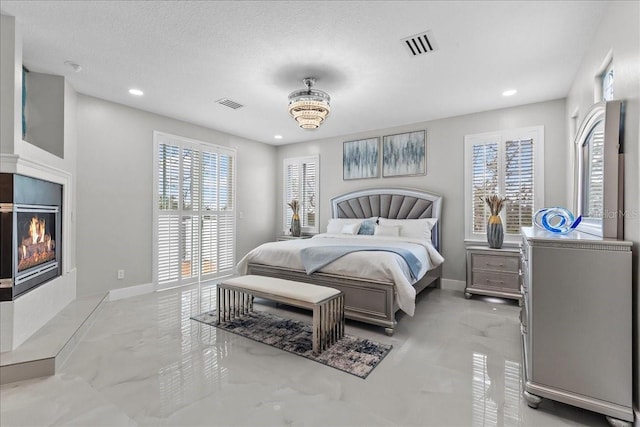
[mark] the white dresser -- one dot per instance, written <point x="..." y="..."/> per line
<point x="576" y="322"/>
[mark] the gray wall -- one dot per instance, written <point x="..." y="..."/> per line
<point x="11" y="99"/>
<point x="445" y="161"/>
<point x="115" y="176"/>
<point x="45" y="112"/>
<point x="619" y="33"/>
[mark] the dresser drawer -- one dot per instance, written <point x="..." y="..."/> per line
<point x="507" y="264"/>
<point x="498" y="281"/>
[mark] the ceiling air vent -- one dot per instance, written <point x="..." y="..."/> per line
<point x="229" y="103"/>
<point x="420" y="43"/>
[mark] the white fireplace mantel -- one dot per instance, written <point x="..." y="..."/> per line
<point x="20" y="318"/>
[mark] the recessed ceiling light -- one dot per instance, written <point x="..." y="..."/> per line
<point x="277" y="136"/>
<point x="136" y="92"/>
<point x="509" y="92"/>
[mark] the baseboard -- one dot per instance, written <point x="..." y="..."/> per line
<point x="453" y="285"/>
<point x="131" y="291"/>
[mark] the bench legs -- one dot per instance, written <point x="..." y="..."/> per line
<point x="231" y="303"/>
<point x="328" y="323"/>
<point x="328" y="315"/>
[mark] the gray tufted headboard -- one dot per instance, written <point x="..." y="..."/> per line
<point x="392" y="203"/>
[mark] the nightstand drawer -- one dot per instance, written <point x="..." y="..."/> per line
<point x="290" y="237"/>
<point x="500" y="281"/>
<point x="507" y="264"/>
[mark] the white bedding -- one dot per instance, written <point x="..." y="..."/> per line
<point x="367" y="265"/>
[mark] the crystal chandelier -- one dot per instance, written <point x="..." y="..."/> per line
<point x="309" y="106"/>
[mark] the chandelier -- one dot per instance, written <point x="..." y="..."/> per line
<point x="309" y="106"/>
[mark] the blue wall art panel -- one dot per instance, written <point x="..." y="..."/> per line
<point x="404" y="154"/>
<point x="360" y="159"/>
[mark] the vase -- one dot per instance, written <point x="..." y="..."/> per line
<point x="495" y="233"/>
<point x="295" y="225"/>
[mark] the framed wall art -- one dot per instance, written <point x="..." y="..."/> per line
<point x="360" y="159"/>
<point x="404" y="154"/>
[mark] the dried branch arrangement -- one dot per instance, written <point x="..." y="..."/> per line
<point x="295" y="206"/>
<point x="494" y="202"/>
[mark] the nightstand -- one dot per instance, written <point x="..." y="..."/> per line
<point x="290" y="237"/>
<point x="493" y="272"/>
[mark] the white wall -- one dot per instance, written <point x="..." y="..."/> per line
<point x="445" y="161"/>
<point x="619" y="34"/>
<point x="115" y="176"/>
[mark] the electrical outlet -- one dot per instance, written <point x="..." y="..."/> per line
<point x="120" y="274"/>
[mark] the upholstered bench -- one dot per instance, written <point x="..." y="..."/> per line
<point x="235" y="298"/>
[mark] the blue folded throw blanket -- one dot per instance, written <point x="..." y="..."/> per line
<point x="315" y="258"/>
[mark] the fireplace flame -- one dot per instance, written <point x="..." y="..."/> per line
<point x="37" y="230"/>
<point x="37" y="246"/>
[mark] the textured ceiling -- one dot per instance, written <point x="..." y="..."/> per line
<point x="186" y="55"/>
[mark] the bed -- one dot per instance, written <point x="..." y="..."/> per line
<point x="369" y="297"/>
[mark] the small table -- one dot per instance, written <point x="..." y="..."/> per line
<point x="493" y="272"/>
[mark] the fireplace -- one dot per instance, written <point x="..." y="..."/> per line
<point x="30" y="221"/>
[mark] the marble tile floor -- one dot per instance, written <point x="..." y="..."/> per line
<point x="144" y="362"/>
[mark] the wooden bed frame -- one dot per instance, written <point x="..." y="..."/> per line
<point x="370" y="301"/>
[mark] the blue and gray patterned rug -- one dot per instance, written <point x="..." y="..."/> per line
<point x="357" y="356"/>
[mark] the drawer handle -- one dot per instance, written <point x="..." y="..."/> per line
<point x="493" y="265"/>
<point x="501" y="282"/>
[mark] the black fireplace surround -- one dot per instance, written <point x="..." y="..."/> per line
<point x="30" y="234"/>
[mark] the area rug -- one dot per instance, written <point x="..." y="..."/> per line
<point x="354" y="355"/>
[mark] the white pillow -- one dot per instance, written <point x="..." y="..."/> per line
<point x="350" y="228"/>
<point x="413" y="228"/>
<point x="335" y="224"/>
<point x="387" y="230"/>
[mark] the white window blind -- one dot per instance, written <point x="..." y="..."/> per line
<point x="484" y="181"/>
<point x="509" y="164"/>
<point x="518" y="184"/>
<point x="194" y="215"/>
<point x="594" y="186"/>
<point x="301" y="183"/>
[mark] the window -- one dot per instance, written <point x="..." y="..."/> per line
<point x="593" y="170"/>
<point x="507" y="163"/>
<point x="194" y="212"/>
<point x="606" y="80"/>
<point x="301" y="183"/>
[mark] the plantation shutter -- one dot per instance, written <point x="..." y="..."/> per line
<point x="301" y="184"/>
<point x="218" y="216"/>
<point x="195" y="212"/>
<point x="292" y="186"/>
<point x="507" y="163"/>
<point x="168" y="219"/>
<point x="518" y="184"/>
<point x="308" y="195"/>
<point x="226" y="214"/>
<point x="595" y="163"/>
<point x="484" y="182"/>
